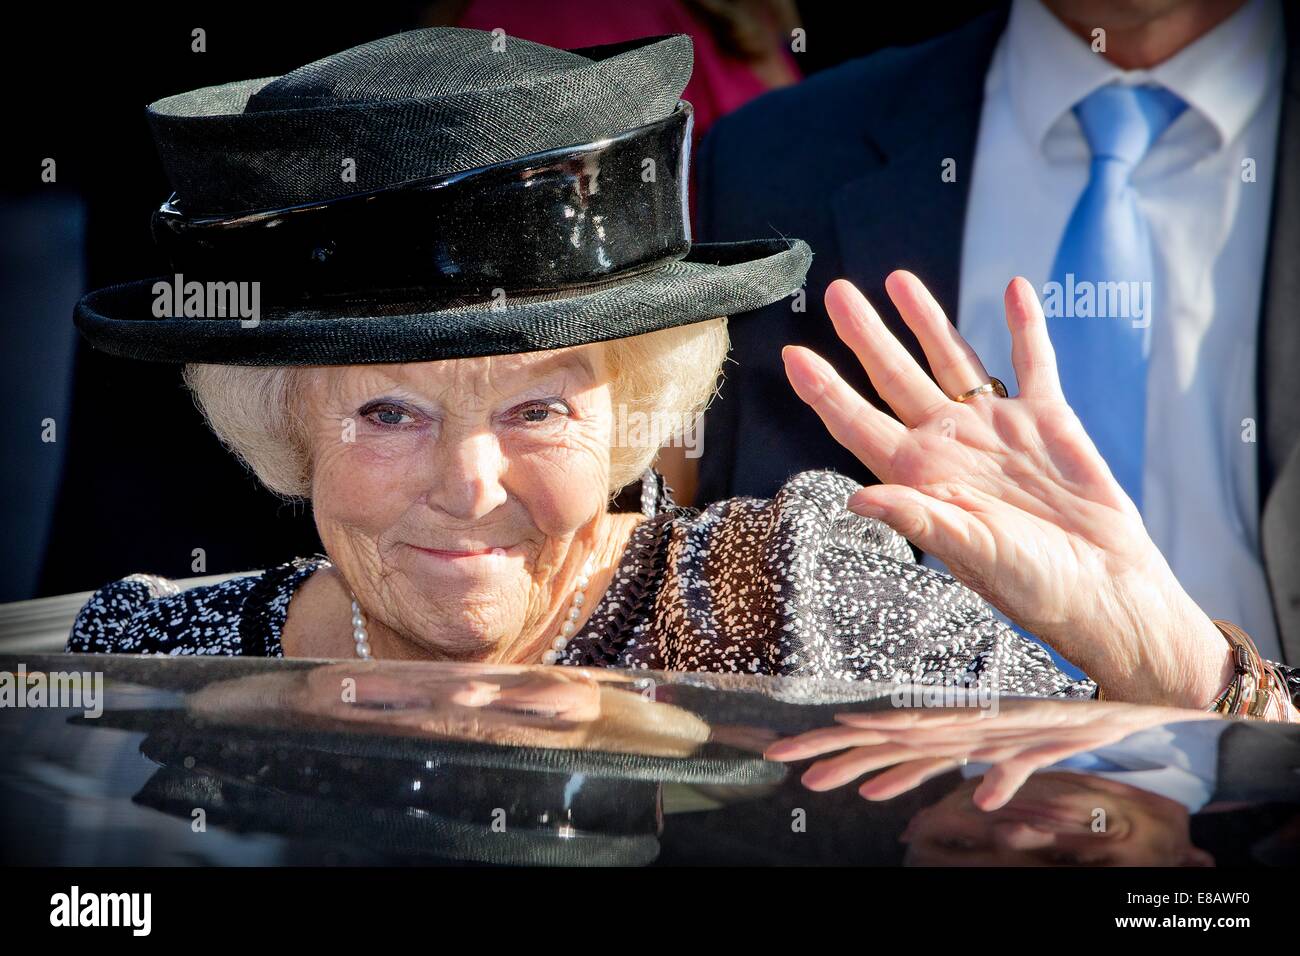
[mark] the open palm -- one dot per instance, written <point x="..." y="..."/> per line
<point x="1010" y="493"/>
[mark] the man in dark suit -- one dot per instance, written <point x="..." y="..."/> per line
<point x="989" y="152"/>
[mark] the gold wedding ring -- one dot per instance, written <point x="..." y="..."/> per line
<point x="993" y="385"/>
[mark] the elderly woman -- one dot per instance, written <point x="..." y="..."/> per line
<point x="457" y="336"/>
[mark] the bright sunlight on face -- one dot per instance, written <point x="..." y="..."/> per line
<point x="448" y="493"/>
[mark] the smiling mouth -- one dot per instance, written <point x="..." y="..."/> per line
<point x="453" y="554"/>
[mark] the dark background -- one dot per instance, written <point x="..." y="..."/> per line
<point x="134" y="480"/>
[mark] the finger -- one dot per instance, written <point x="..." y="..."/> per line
<point x="896" y="376"/>
<point x="814" y="743"/>
<point x="953" y="362"/>
<point x="837" y="771"/>
<point x="1002" y="782"/>
<point x="959" y="739"/>
<point x="871" y="435"/>
<point x="904" y="718"/>
<point x="906" y="776"/>
<point x="934" y="526"/>
<point x="942" y="741"/>
<point x="1032" y="354"/>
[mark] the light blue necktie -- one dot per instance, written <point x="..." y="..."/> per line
<point x="1103" y="357"/>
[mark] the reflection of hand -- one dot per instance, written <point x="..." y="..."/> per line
<point x="1022" y="737"/>
<point x="1011" y="494"/>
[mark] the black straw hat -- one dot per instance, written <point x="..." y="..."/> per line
<point x="442" y="193"/>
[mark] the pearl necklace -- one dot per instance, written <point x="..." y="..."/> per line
<point x="558" y="643"/>
<point x="359" y="630"/>
<point x="570" y="623"/>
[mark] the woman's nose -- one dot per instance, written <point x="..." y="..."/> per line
<point x="468" y="477"/>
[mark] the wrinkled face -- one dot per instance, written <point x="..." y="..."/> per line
<point x="448" y="494"/>
<point x="1055" y="819"/>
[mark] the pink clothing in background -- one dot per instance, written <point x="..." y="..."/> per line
<point x="720" y="83"/>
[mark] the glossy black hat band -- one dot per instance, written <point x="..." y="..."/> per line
<point x="548" y="221"/>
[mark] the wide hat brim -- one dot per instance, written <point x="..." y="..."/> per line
<point x="714" y="279"/>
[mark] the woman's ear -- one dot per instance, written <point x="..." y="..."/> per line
<point x="680" y="471"/>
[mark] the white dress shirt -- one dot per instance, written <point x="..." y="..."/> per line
<point x="1210" y="233"/>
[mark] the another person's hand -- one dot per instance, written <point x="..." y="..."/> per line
<point x="1011" y="494"/>
<point x="1023" y="737"/>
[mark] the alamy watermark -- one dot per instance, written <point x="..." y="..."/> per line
<point x="74" y="908"/>
<point x="1084" y="299"/>
<point x="178" y="299"/>
<point x="640" y="429"/>
<point x="78" y="690"/>
<point x="964" y="690"/>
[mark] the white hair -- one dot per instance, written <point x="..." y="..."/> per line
<point x="666" y="378"/>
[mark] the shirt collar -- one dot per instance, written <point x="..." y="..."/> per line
<point x="1224" y="76"/>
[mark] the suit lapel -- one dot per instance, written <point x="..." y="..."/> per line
<point x="1279" y="332"/>
<point x="1279" y="357"/>
<point x="928" y="117"/>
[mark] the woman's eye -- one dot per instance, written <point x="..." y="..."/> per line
<point x="538" y="412"/>
<point x="388" y="415"/>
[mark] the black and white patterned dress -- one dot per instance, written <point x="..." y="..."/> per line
<point x="795" y="586"/>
